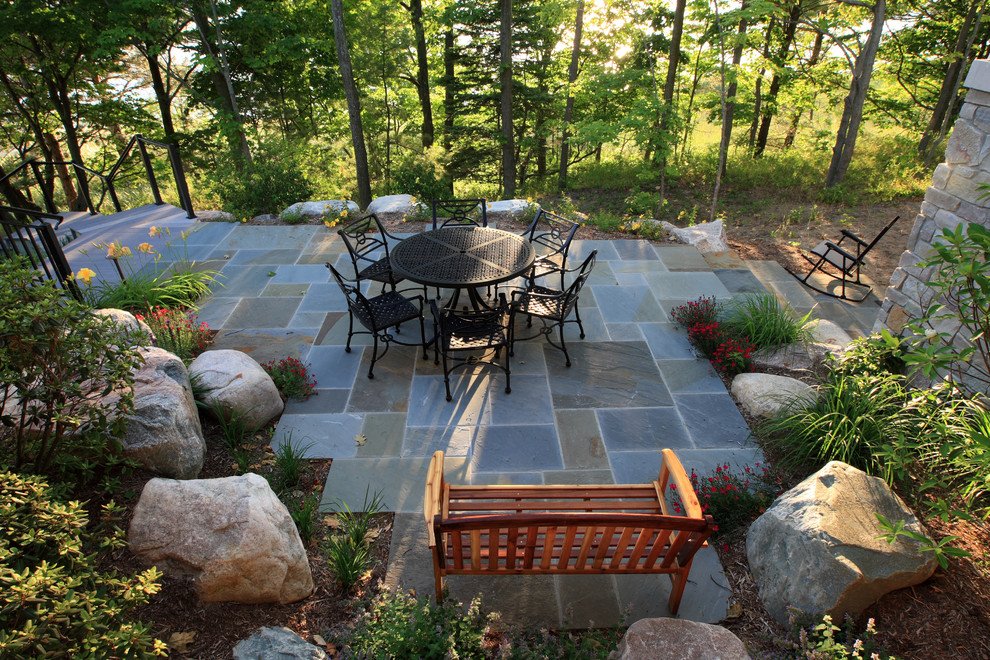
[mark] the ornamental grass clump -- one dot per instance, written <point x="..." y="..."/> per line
<point x="765" y="321"/>
<point x="292" y="378"/>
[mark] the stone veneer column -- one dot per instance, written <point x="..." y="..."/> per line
<point x="953" y="198"/>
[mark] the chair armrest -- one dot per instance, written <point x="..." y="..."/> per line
<point x="672" y="469"/>
<point x="849" y="234"/>
<point x="434" y="490"/>
<point x="851" y="257"/>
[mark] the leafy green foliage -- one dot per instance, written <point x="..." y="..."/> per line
<point x="349" y="548"/>
<point x="53" y="601"/>
<point x="236" y="428"/>
<point x="288" y="464"/>
<point x="733" y="500"/>
<point x="303" y="514"/>
<point x="59" y="365"/>
<point x="179" y="286"/>
<point x="422" y="177"/>
<point x="765" y="321"/>
<point x="816" y="637"/>
<point x="940" y="550"/>
<point x="878" y="353"/>
<point x="270" y="182"/>
<point x="399" y="625"/>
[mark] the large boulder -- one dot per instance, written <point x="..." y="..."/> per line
<point x="231" y="536"/>
<point x="232" y="382"/>
<point x="824" y="331"/>
<point x="708" y="237"/>
<point x="163" y="433"/>
<point x="817" y="547"/>
<point x="515" y="208"/>
<point x="127" y="322"/>
<point x="280" y="643"/>
<point x="762" y="395"/>
<point x="324" y="210"/>
<point x="676" y="639"/>
<point x="792" y="357"/>
<point x="404" y="204"/>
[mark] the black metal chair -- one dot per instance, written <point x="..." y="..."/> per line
<point x="364" y="239"/>
<point x="551" y="306"/>
<point x="551" y="235"/>
<point x="470" y="330"/>
<point x="377" y="315"/>
<point x="841" y="263"/>
<point x="466" y="212"/>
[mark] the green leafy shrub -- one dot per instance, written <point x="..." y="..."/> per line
<point x="399" y="625"/>
<point x="733" y="356"/>
<point x="349" y="548"/>
<point x="58" y="363"/>
<point x="292" y="378"/>
<point x="53" y="601"/>
<point x="703" y="310"/>
<point x="875" y="354"/>
<point x="272" y="181"/>
<point x="422" y="177"/>
<point x="177" y="332"/>
<point x="817" y="638"/>
<point x="763" y="320"/>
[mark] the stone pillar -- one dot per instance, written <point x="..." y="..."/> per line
<point x="953" y="198"/>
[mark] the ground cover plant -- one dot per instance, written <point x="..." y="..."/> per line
<point x="292" y="378"/>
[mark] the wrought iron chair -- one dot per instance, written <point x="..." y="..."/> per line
<point x="470" y="330"/>
<point x="841" y="262"/>
<point x="377" y="315"/>
<point x="365" y="238"/>
<point x="551" y="306"/>
<point x="551" y="234"/>
<point x="467" y="212"/>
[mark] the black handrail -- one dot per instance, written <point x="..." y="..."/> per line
<point x="36" y="240"/>
<point x="107" y="180"/>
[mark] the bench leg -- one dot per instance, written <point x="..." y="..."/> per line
<point x="678" y="581"/>
<point x="437" y="578"/>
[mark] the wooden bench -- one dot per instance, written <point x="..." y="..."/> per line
<point x="565" y="530"/>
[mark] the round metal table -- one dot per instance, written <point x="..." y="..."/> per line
<point x="462" y="258"/>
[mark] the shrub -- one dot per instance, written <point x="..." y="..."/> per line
<point x="732" y="500"/>
<point x="291" y="377"/>
<point x="398" y="625"/>
<point x="765" y="321"/>
<point x="703" y="310"/>
<point x="706" y="338"/>
<point x="58" y="363"/>
<point x="875" y="354"/>
<point x="272" y="181"/>
<point x="816" y="637"/>
<point x="176" y="331"/>
<point x="421" y="176"/>
<point x="349" y="549"/>
<point x="53" y="601"/>
<point x="732" y="356"/>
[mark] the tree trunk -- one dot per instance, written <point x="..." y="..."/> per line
<point x="224" y="88"/>
<point x="673" y="57"/>
<point x="505" y="77"/>
<point x="14" y="196"/>
<point x="770" y="102"/>
<point x="353" y="104"/>
<point x="758" y="92"/>
<point x="448" y="97"/>
<point x="816" y="51"/>
<point x="64" y="177"/>
<point x="422" y="72"/>
<point x="730" y="93"/>
<point x="953" y="74"/>
<point x="852" y="109"/>
<point x="58" y="94"/>
<point x="161" y="93"/>
<point x="572" y="71"/>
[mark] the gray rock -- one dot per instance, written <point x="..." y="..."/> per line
<point x="163" y="433"/>
<point x="231" y="536"/>
<point x="510" y="207"/>
<point x="708" y="237"/>
<point x="763" y="395"/>
<point x="816" y="548"/>
<point x="126" y="322"/>
<point x="676" y="639"/>
<point x="394" y="204"/>
<point x="794" y="357"/>
<point x="215" y="216"/>
<point x="322" y="210"/>
<point x="824" y="331"/>
<point x="233" y="381"/>
<point x="277" y="644"/>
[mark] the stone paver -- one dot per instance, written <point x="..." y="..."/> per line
<point x="634" y="387"/>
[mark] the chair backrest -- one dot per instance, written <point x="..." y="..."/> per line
<point x="470" y="322"/>
<point x="572" y="291"/>
<point x="363" y="238"/>
<point x="553" y="231"/>
<point x="357" y="302"/>
<point x="880" y="235"/>
<point x="459" y="212"/>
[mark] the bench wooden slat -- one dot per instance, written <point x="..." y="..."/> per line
<point x="572" y="530"/>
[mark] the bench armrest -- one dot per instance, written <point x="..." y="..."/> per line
<point x="672" y="469"/>
<point x="434" y="490"/>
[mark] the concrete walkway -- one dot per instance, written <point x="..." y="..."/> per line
<point x="634" y="387"/>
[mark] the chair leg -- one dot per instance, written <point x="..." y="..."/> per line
<point x="350" y="331"/>
<point x="446" y="377"/>
<point x="422" y="336"/>
<point x="563" y="345"/>
<point x="512" y="334"/>
<point x="508" y="372"/>
<point x="678" y="581"/>
<point x="577" y="316"/>
<point x="374" y="357"/>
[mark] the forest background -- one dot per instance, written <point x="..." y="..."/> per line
<point x="681" y="109"/>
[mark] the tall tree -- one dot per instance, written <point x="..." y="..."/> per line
<point x="852" y="108"/>
<point x="422" y="80"/>
<point x="572" y="72"/>
<point x="779" y="65"/>
<point x="505" y="78"/>
<point x="353" y="104"/>
<point x="673" y="58"/>
<point x="730" y="93"/>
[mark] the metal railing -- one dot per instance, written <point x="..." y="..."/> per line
<point x="84" y="175"/>
<point x="34" y="238"/>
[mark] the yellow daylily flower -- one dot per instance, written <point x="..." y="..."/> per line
<point x="155" y="231"/>
<point x="146" y="248"/>
<point x="85" y="274"/>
